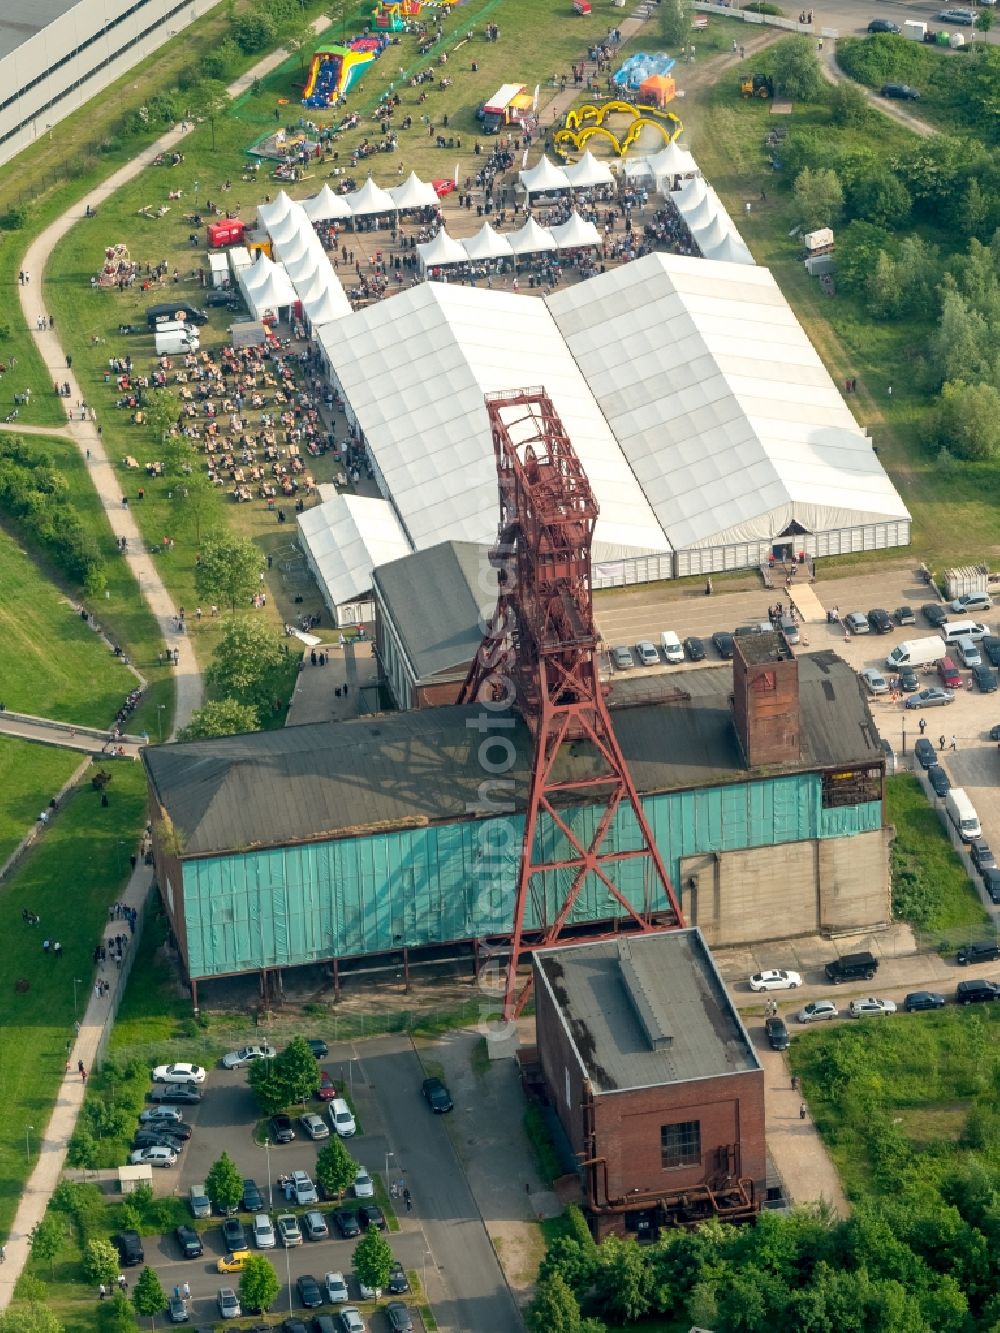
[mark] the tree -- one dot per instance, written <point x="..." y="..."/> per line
<point x="877" y="196"/>
<point x="250" y="664"/>
<point x="335" y="1167"/>
<point x="221" y="717"/>
<point x="101" y="1262"/>
<point x="47" y="1237"/>
<point x="29" y="1317"/>
<point x="819" y="197"/>
<point x="268" y="1085"/>
<point x="958" y="349"/>
<point x="254" y="31"/>
<point x="148" y="1297"/>
<point x="967" y="420"/>
<point x="212" y="102"/>
<point x="675" y="21"/>
<point x="882" y="287"/>
<point x="373" y="1259"/>
<point x="985" y="20"/>
<point x="796" y="68"/>
<point x="554" y="1308"/>
<point x="259" y="1285"/>
<point x="848" y="105"/>
<point x="298" y="1068"/>
<point x="573" y="1261"/>
<point x="224" y="1184"/>
<point x="624" y="1281"/>
<point x="162" y="410"/>
<point x="198" y="500"/>
<point x="229" y="569"/>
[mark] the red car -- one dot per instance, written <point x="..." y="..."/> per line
<point x="326" y="1091"/>
<point x="443" y="187"/>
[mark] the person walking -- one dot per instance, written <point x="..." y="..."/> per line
<point x="954" y="743"/>
<point x="802" y="1110"/>
<point x="922" y="725"/>
<point x="940" y="742"/>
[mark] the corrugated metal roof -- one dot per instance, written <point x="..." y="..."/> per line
<point x="436" y="600"/>
<point x="336" y="779"/>
<point x="609" y="993"/>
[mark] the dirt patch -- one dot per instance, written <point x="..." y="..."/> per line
<point x="519" y="1246"/>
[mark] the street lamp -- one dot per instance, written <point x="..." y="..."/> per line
<point x="76" y="1012"/>
<point x="27" y="1142"/>
<point x="270" y="1192"/>
<point x="389" y="1154"/>
<point x="159" y="722"/>
<point x="288" y="1272"/>
<point x="426" y="1253"/>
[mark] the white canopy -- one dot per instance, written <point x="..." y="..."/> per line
<point x="326" y="206"/>
<point x="275" y="293"/>
<point x="302" y="268"/>
<point x="441" y="251"/>
<point x="575" y="232"/>
<point x="371" y="198"/>
<point x="300" y="243"/>
<point x="701" y="214"/>
<point x="414" y="193"/>
<point x="710" y="237"/>
<point x="544" y="177"/>
<point x="732" y="250"/>
<point x="487" y="244"/>
<point x="331" y="304"/>
<point x="269" y="215"/>
<point x="637" y="169"/>
<point x="672" y="161"/>
<point x="531" y="239"/>
<point x="690" y="195"/>
<point x="345" y="538"/>
<point x="258" y="272"/>
<point x="290" y="225"/>
<point x="314" y="284"/>
<point x="587" y="172"/>
<point x="239" y="258"/>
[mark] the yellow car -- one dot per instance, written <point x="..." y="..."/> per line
<point x="233" y="1263"/>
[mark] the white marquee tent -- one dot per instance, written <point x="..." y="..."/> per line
<point x="733" y="249"/>
<point x="274" y="293"/>
<point x="690" y="195"/>
<point x="326" y="206"/>
<point x="371" y="198"/>
<point x="441" y="252"/>
<point x="531" y="239"/>
<point x="344" y="538"/>
<point x="700" y="214"/>
<point x="258" y="272"/>
<point x="487" y="244"/>
<point x="327" y="307"/>
<point x="712" y="235"/>
<point x="291" y="225"/>
<point x="414" y="193"/>
<point x="269" y="215"/>
<point x="672" y="160"/>
<point x="575" y="233"/>
<point x="588" y="172"/>
<point x="302" y="269"/>
<point x="544" y="177"/>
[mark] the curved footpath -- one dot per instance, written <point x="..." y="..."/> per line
<point x="832" y="72"/>
<point x="100" y="1012"/>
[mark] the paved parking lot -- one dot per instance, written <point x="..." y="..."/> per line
<point x="443" y="1239"/>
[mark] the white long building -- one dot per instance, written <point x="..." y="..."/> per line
<point x="709" y="428"/>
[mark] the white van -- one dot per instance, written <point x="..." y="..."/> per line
<point x="176" y="339"/>
<point x="953" y="630"/>
<point x="962" y="814"/>
<point x="341" y="1118"/>
<point x="915" y="652"/>
<point x="673" y="649"/>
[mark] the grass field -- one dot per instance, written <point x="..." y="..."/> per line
<point x="29" y="776"/>
<point x="75" y="871"/>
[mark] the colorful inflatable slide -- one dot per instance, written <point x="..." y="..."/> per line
<point x="336" y="69"/>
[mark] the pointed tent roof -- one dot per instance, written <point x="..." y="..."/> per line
<point x="544" y="177"/>
<point x="733" y="249"/>
<point x="302" y="269"/>
<point x="444" y="249"/>
<point x="690" y="195"/>
<point x="327" y="307"/>
<point x="258" y="272"/>
<point x="270" y="214"/>
<point x="531" y="239"/>
<point x="673" y="160"/>
<point x="708" y="239"/>
<point x="303" y="244"/>
<point x="290" y="225"/>
<point x="575" y="232"/>
<point x="588" y="171"/>
<point x="314" y="284"/>
<point x="700" y="215"/>
<point x="371" y="198"/>
<point x="326" y="206"/>
<point x="414" y="193"/>
<point x="274" y="294"/>
<point x="487" y="244"/>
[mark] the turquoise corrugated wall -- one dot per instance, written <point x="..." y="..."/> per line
<point x="430" y="885"/>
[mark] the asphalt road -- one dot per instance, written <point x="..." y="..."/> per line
<point x="851" y="17"/>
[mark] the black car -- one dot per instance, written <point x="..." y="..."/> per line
<point x="903" y="615"/>
<point x="924" y="751"/>
<point x="318" y="1047"/>
<point x="281" y="1129"/>
<point x="934" y="613"/>
<point x="922" y="999"/>
<point x="189" y="1242"/>
<point x="883" y="25"/>
<point x="880" y="621"/>
<point x="309" y="1292"/>
<point x="169" y="310"/>
<point x="177" y="1094"/>
<point x="983" y="951"/>
<point x="777" y="1033"/>
<point x="908" y="681"/>
<point x="995" y="733"/>
<point x="293" y="1325"/>
<point x="723" y="642"/>
<point x="981" y="855"/>
<point x="224" y="298"/>
<point x="399" y="1317"/>
<point x="398" y="1281"/>
<point x="991" y="883"/>
<point x="939" y="780"/>
<point x="325" y="1323"/>
<point x="852" y="967"/>
<point x="694" y="648"/>
<point x="234" y="1236"/>
<point x="347" y="1222"/>
<point x="990" y="647"/>
<point x="371" y="1215"/>
<point x="129" y="1246"/>
<point x="253" y="1200"/>
<point x="437" y="1096"/>
<point x="977" y="992"/>
<point x="153" y="1138"/>
<point x="901" y="91"/>
<point x="985" y="678"/>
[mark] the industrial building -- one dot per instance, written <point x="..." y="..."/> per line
<point x="390" y="835"/>
<point x="653" y="1079"/>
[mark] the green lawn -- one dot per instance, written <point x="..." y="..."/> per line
<point x="29" y="776"/>
<point x="75" y="871"/>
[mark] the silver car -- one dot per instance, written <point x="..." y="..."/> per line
<point x="263" y="1232"/>
<point x="314" y="1225"/>
<point x="817" y="1010"/>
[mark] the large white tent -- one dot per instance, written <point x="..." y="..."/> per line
<point x="690" y="195"/>
<point x="712" y="235"/>
<point x="371" y="198"/>
<point x="531" y="239"/>
<point x="672" y="160"/>
<point x="732" y="249"/>
<point x="302" y="269"/>
<point x="575" y="233"/>
<point x="487" y="244"/>
<point x="544" y="177"/>
<point x="725" y="413"/>
<point x="414" y="193"/>
<point x="327" y="307"/>
<point x="588" y="172"/>
<point x="270" y="214"/>
<point x="441" y="252"/>
<point x="291" y="225"/>
<point x="326" y="206"/>
<point x="299" y="243"/>
<point x="344" y="538"/>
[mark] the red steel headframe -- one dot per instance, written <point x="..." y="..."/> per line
<point x="540" y="654"/>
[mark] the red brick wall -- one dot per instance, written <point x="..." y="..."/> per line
<point x="556" y="1056"/>
<point x="436" y="695"/>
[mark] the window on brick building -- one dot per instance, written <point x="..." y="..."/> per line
<point x="680" y="1145"/>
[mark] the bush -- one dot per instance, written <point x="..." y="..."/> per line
<point x="15" y="218"/>
<point x="33" y="492"/>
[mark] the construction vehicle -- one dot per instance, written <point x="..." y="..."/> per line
<point x="757" y="85"/>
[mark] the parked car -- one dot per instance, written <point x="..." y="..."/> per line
<point x="129" y="1246"/>
<point x="852" y="967"/>
<point x="817" y="1010"/>
<point x="723" y="643"/>
<point x="229" y="1303"/>
<point x="939" y="780"/>
<point x="622" y="658"/>
<point x="293" y="1324"/>
<point x="857" y="622"/>
<point x="977" y="992"/>
<point x="288" y="1230"/>
<point x="981" y="854"/>
<point x="199" y="1202"/>
<point x="314" y="1225"/>
<point x="351" y="1321"/>
<point x="985" y="678"/>
<point x="178" y="1073"/>
<point x="775" y="979"/>
<point x="437" y="1096"/>
<point x="970" y="601"/>
<point x="991" y="647"/>
<point x="951" y="677"/>
<point x="178" y="1094"/>
<point x="347" y="1223"/>
<point x="336" y="1288"/>
<point x="326" y="1090"/>
<point x="253" y="1200"/>
<point x="991" y="883"/>
<point x="246" y="1055"/>
<point x="903" y="615"/>
<point x="233" y="1262"/>
<point x="234" y="1235"/>
<point x="874" y="681"/>
<point x="303" y="1187"/>
<point x="398" y="1315"/>
<point x="924" y="751"/>
<point x="371" y="1215"/>
<point x="398" y="1281"/>
<point x="883" y="25"/>
<point x="982" y="951"/>
<point x="156" y="1138"/>
<point x="695" y="648"/>
<point x="919" y="1000"/>
<point x="281" y="1129"/>
<point x="776" y="1033"/>
<point x="908" y="682"/>
<point x="994" y="733"/>
<point x="364" y="1187"/>
<point x="318" y="1047"/>
<point x="933" y="697"/>
<point x="309" y="1291"/>
<point x="342" y="1118"/>
<point x="934" y="613"/>
<point x="154" y="1157"/>
<point x="178" y="1130"/>
<point x="646" y="653"/>
<point x="189" y="1242"/>
<point x="960" y="18"/>
<point x="177" y="1310"/>
<point x="154" y="1114"/>
<point x="314" y="1125"/>
<point x="880" y="621"/>
<point x="263" y="1232"/>
<point x="901" y="91"/>
<point x="871" y="1007"/>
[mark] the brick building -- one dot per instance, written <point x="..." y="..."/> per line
<point x="650" y="1071"/>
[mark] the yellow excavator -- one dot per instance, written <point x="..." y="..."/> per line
<point x="757" y="85"/>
